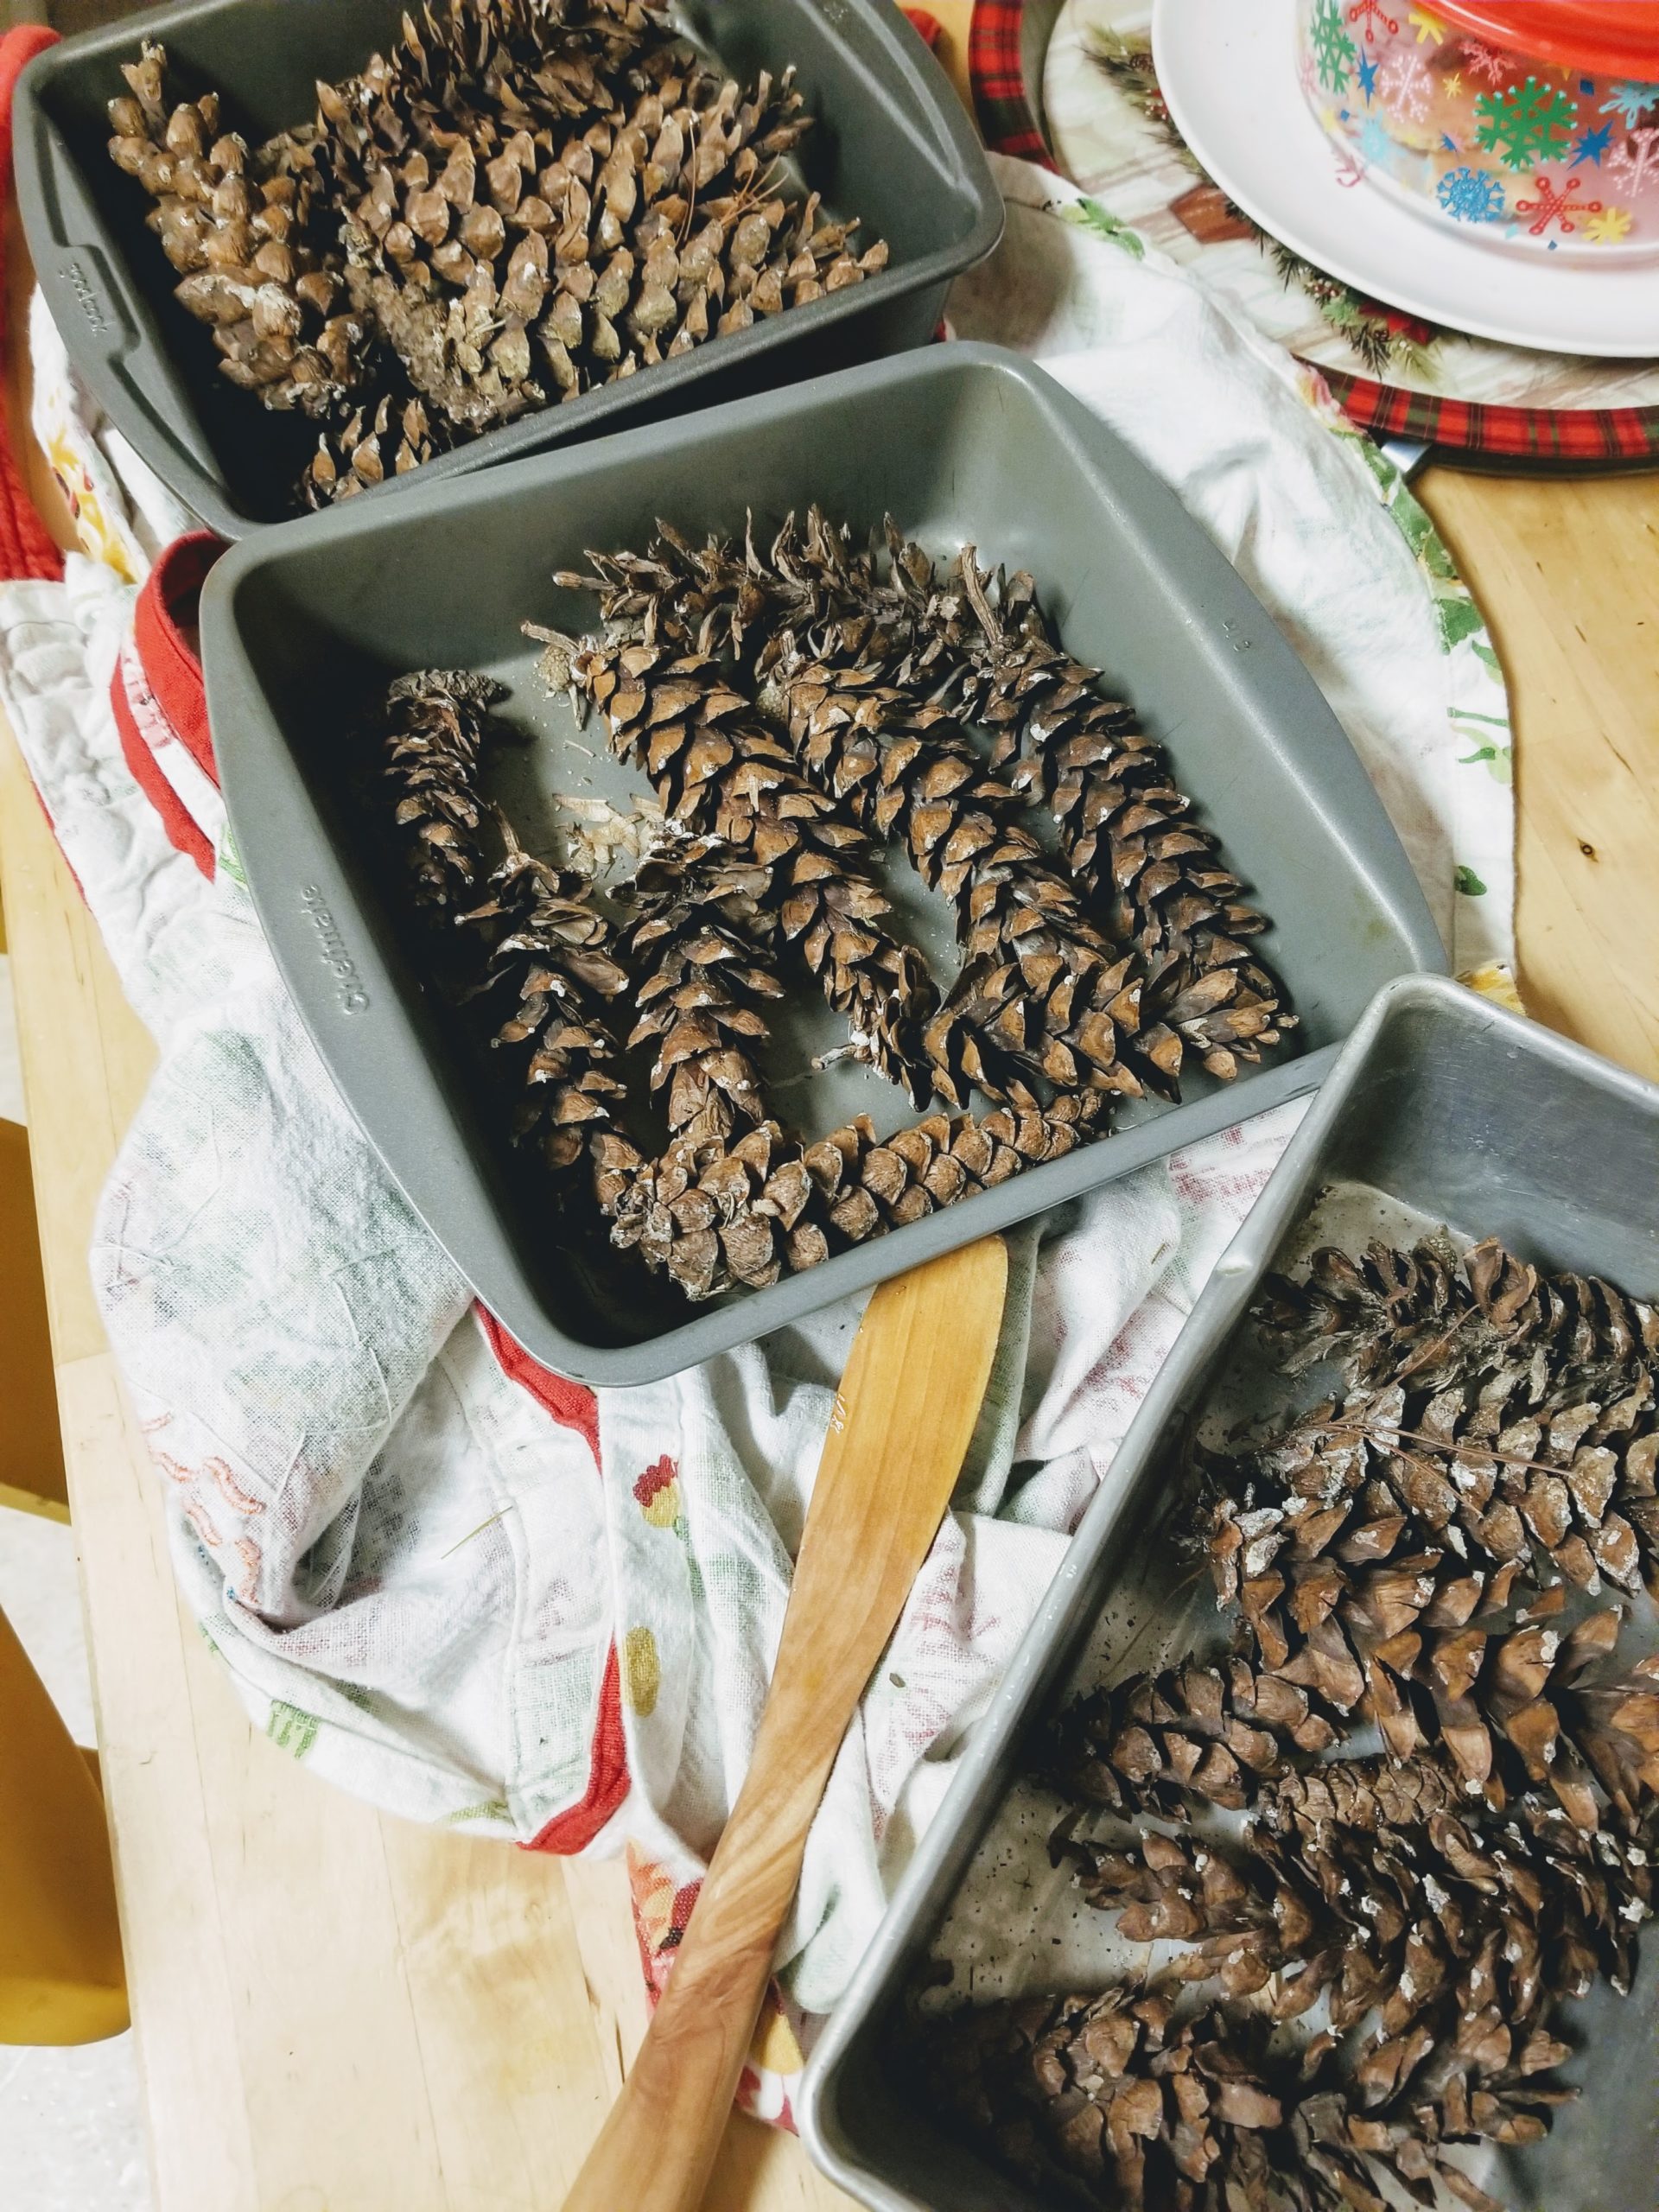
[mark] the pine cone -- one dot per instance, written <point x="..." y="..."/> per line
<point x="1348" y="1607"/>
<point x="721" y="772"/>
<point x="551" y="65"/>
<point x="1474" y="1930"/>
<point x="816" y="600"/>
<point x="1214" y="1733"/>
<point x="1041" y="993"/>
<point x="1125" y="829"/>
<point x="551" y="955"/>
<point x="245" y="233"/>
<point x="437" y="725"/>
<point x="1518" y="1411"/>
<point x="514" y="259"/>
<point x="715" y="1217"/>
<point x="1106" y="2101"/>
<point x="367" y="448"/>
<point x="700" y="947"/>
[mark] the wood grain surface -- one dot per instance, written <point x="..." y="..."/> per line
<point x="337" y="2012"/>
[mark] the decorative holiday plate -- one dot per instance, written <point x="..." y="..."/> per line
<point x="1394" y="372"/>
<point x="1232" y="78"/>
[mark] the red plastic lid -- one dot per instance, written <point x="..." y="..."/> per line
<point x="1605" y="38"/>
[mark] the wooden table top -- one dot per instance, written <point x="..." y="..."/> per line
<point x="339" y="2012"/>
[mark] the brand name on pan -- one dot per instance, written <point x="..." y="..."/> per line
<point x="331" y="947"/>
<point x="87" y="293"/>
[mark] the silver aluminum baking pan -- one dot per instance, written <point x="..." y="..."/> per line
<point x="1442" y="1109"/>
<point x="304" y="625"/>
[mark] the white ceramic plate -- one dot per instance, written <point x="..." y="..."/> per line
<point x="1228" y="71"/>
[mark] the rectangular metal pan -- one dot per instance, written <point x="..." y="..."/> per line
<point x="303" y="626"/>
<point x="1443" y="1109"/>
<point x="891" y="144"/>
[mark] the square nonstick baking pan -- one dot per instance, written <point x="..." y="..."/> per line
<point x="304" y="626"/>
<point x="891" y="144"/>
<point x="1443" y="1111"/>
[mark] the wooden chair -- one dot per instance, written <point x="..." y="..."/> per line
<point x="31" y="1447"/>
<point x="61" y="1977"/>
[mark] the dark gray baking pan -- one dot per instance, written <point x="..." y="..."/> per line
<point x="301" y="625"/>
<point x="891" y="144"/>
<point x="1443" y="1111"/>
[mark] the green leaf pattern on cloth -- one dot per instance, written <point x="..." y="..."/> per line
<point x="1100" y="219"/>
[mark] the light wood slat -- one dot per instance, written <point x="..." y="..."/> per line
<point x="1568" y="574"/>
<point x="85" y="1055"/>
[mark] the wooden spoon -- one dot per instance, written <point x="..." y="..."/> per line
<point x="903" y="1419"/>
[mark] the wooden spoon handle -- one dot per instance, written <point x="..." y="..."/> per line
<point x="902" y="1426"/>
<point x="661" y="2138"/>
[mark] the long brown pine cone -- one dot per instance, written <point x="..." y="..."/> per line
<point x="1512" y="1414"/>
<point x="366" y="448"/>
<point x="701" y="949"/>
<point x="1473" y="1928"/>
<point x="1364" y="1612"/>
<point x="1436" y="1312"/>
<point x="721" y="772"/>
<point x="715" y="1216"/>
<point x="812" y="590"/>
<point x="1165" y="893"/>
<point x="1041" y="993"/>
<point x="551" y="960"/>
<point x="435" y="726"/>
<point x="515" y="257"/>
<point x="247" y="233"/>
<point x="1110" y="2101"/>
<point x="1126" y="828"/>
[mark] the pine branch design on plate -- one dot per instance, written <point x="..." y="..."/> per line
<point x="1380" y="337"/>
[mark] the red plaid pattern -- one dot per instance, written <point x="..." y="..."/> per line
<point x="1007" y="115"/>
<point x="1578" y="434"/>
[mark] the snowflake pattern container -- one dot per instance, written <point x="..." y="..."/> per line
<point x="1520" y="151"/>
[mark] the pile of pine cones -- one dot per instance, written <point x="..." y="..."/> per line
<point x="521" y="201"/>
<point x="1447" y="1552"/>
<point x="794" y="714"/>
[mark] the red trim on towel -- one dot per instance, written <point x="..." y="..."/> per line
<point x="571" y="1404"/>
<point x="927" y="28"/>
<point x="164" y="632"/>
<point x="25" y="543"/>
<point x="182" y="833"/>
<point x="574" y="1829"/>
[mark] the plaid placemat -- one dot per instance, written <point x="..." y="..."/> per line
<point x="1008" y="107"/>
<point x="1007" y="113"/>
<point x="1573" y="434"/>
